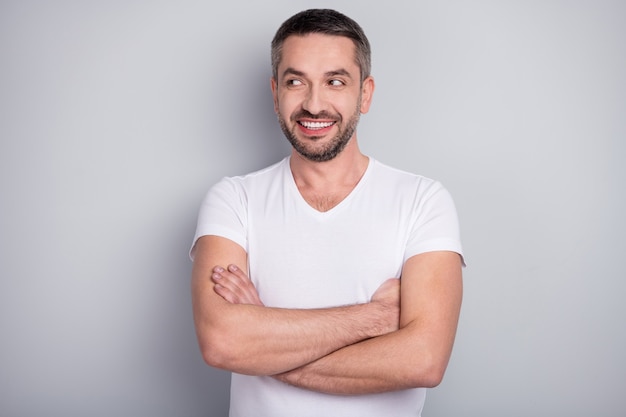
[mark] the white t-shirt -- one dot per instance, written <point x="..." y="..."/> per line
<point x="302" y="258"/>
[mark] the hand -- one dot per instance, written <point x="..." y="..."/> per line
<point x="234" y="286"/>
<point x="388" y="297"/>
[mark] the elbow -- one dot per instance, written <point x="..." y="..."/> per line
<point x="224" y="345"/>
<point x="213" y="356"/>
<point x="432" y="378"/>
<point x="427" y="374"/>
<point x="217" y="349"/>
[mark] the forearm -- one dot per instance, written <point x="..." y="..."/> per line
<point x="414" y="356"/>
<point x="238" y="333"/>
<point x="390" y="362"/>
<point x="259" y="340"/>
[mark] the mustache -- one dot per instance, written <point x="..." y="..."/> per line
<point x="304" y="114"/>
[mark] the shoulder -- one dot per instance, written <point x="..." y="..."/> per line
<point x="403" y="181"/>
<point x="253" y="180"/>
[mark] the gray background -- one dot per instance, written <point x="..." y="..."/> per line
<point x="116" y="117"/>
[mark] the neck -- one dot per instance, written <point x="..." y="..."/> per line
<point x="323" y="185"/>
<point x="345" y="169"/>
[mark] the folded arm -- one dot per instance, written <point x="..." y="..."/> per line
<point x="252" y="339"/>
<point x="416" y="355"/>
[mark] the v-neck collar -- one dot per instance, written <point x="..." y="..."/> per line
<point x="289" y="179"/>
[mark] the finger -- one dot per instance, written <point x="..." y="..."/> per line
<point x="241" y="279"/>
<point x="227" y="287"/>
<point x="235" y="287"/>
<point x="238" y="272"/>
<point x="226" y="278"/>
<point x="227" y="283"/>
<point x="235" y="295"/>
<point x="225" y="293"/>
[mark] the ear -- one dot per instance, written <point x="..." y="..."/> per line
<point x="274" y="87"/>
<point x="367" y="91"/>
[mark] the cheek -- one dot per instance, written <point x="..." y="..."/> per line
<point x="286" y="105"/>
<point x="349" y="106"/>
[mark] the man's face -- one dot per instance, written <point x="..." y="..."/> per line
<point x="318" y="96"/>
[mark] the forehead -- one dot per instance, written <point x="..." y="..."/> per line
<point x="320" y="52"/>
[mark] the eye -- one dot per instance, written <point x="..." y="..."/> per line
<point x="293" y="82"/>
<point x="336" y="83"/>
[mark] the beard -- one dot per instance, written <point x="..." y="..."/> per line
<point x="331" y="149"/>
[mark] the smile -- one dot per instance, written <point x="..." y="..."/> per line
<point x="316" y="125"/>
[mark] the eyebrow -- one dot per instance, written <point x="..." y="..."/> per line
<point x="293" y="71"/>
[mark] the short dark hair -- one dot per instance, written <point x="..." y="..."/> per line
<point x="327" y="22"/>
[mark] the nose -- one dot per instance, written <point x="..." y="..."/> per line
<point x="314" y="100"/>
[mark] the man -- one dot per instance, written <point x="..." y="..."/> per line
<point x="328" y="283"/>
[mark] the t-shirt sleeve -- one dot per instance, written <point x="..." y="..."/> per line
<point x="435" y="226"/>
<point x="223" y="213"/>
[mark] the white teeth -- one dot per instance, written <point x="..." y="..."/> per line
<point x="316" y="125"/>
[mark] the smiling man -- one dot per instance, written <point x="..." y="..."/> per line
<point x="301" y="101"/>
<point x="328" y="283"/>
